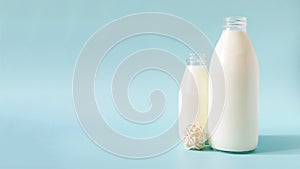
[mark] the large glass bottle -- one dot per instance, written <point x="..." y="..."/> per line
<point x="237" y="128"/>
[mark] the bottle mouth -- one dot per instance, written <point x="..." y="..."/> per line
<point x="235" y="22"/>
<point x="196" y="59"/>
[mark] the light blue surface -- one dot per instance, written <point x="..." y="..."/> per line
<point x="39" y="45"/>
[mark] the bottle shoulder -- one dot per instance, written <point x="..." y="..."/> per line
<point x="234" y="42"/>
<point x="234" y="49"/>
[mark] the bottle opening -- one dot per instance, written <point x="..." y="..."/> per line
<point x="195" y="59"/>
<point x="235" y="22"/>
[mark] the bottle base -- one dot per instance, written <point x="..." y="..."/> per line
<point x="233" y="151"/>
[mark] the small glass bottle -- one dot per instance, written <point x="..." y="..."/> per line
<point x="193" y="101"/>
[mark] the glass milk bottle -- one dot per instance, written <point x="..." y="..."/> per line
<point x="237" y="128"/>
<point x="193" y="99"/>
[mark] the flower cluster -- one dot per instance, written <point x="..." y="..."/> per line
<point x="194" y="138"/>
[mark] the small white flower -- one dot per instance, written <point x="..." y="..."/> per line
<point x="194" y="138"/>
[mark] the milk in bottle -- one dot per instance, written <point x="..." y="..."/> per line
<point x="193" y="95"/>
<point x="237" y="129"/>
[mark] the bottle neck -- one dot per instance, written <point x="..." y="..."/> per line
<point x="235" y="23"/>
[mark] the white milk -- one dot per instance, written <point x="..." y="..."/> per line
<point x="193" y="97"/>
<point x="237" y="130"/>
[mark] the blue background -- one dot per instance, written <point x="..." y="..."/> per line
<point x="39" y="45"/>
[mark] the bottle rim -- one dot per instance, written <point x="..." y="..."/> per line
<point x="235" y="22"/>
<point x="196" y="59"/>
